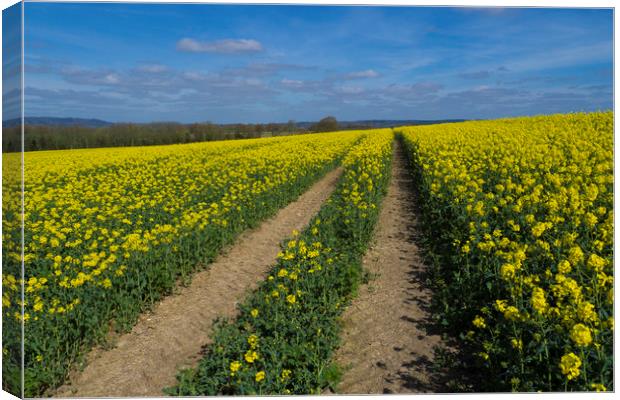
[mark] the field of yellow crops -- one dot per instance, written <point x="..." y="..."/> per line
<point x="522" y="217"/>
<point x="109" y="231"/>
<point x="518" y="221"/>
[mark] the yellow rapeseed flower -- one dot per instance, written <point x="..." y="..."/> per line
<point x="234" y="367"/>
<point x="539" y="302"/>
<point x="570" y="364"/>
<point x="253" y="341"/>
<point x="580" y="334"/>
<point x="564" y="267"/>
<point x="507" y="271"/>
<point x="251" y="356"/>
<point x="479" y="322"/>
<point x="599" y="387"/>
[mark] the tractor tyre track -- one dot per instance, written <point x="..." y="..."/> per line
<point x="386" y="344"/>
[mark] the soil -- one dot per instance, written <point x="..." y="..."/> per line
<point x="170" y="337"/>
<point x="386" y="343"/>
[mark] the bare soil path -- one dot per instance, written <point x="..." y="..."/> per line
<point x="386" y="347"/>
<point x="170" y="337"/>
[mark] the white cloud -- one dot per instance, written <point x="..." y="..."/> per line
<point x="152" y="68"/>
<point x="415" y="89"/>
<point x="350" y="89"/>
<point x="369" y="73"/>
<point x="111" y="79"/>
<point x="228" y="46"/>
<point x="294" y="83"/>
<point x="194" y="76"/>
<point x="90" y="76"/>
<point x="253" y="82"/>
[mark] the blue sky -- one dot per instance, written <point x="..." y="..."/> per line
<point x="228" y="63"/>
<point x="11" y="62"/>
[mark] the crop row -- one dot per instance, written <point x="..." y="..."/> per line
<point x="283" y="339"/>
<point x="107" y="232"/>
<point x="522" y="223"/>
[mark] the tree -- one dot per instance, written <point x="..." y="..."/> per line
<point x="327" y="124"/>
<point x="291" y="126"/>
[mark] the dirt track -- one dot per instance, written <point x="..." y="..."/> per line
<point x="386" y="348"/>
<point x="146" y="360"/>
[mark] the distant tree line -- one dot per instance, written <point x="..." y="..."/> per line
<point x="55" y="137"/>
<point x="39" y="137"/>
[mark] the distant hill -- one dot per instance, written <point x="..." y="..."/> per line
<point x="53" y="121"/>
<point x="384" y="123"/>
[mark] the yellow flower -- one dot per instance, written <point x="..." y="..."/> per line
<point x="254" y="313"/>
<point x="251" y="356"/>
<point x="479" y="322"/>
<point x="39" y="358"/>
<point x="575" y="255"/>
<point x="500" y="305"/>
<point x="580" y="334"/>
<point x="599" y="387"/>
<point x="587" y="312"/>
<point x="539" y="229"/>
<point x="286" y="373"/>
<point x="291" y="298"/>
<point x="539" y="302"/>
<point x="569" y="364"/>
<point x="590" y="220"/>
<point x="260" y="375"/>
<point x="507" y="271"/>
<point x="282" y="273"/>
<point x="253" y="341"/>
<point x="234" y="367"/>
<point x="596" y="263"/>
<point x="564" y="267"/>
<point x="512" y="313"/>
